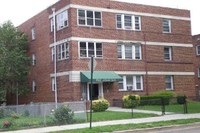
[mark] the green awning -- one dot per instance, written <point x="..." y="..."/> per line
<point x="100" y="76"/>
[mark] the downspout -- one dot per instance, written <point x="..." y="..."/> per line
<point x="55" y="57"/>
<point x="146" y="69"/>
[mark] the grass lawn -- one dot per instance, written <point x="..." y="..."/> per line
<point x="131" y="126"/>
<point x="193" y="107"/>
<point x="109" y="115"/>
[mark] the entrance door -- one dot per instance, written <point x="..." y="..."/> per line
<point x="95" y="91"/>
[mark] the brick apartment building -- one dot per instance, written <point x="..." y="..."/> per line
<point x="136" y="47"/>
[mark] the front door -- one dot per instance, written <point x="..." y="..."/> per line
<point x="95" y="91"/>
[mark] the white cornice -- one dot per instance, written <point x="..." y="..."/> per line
<point x="120" y="11"/>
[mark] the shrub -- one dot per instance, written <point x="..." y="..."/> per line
<point x="1" y="113"/>
<point x="7" y="124"/>
<point x="181" y="99"/>
<point x="26" y="113"/>
<point x="15" y="115"/>
<point x="100" y="105"/>
<point x="63" y="115"/>
<point x="130" y="101"/>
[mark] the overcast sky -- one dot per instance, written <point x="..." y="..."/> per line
<point x="19" y="11"/>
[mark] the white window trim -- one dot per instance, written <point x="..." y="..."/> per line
<point x="172" y="83"/>
<point x="87" y="53"/>
<point x="86" y="25"/>
<point x="134" y="85"/>
<point x="33" y="86"/>
<point x="52" y="24"/>
<point x="52" y="84"/>
<point x="197" y="49"/>
<point x="133" y="52"/>
<point x="33" y="33"/>
<point x="169" y="24"/>
<point x="33" y="60"/>
<point x="132" y="20"/>
<point x="170" y="54"/>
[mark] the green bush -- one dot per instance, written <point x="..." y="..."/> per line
<point x="130" y="101"/>
<point x="181" y="99"/>
<point x="26" y="113"/>
<point x="157" y="98"/>
<point x="1" y="113"/>
<point x="63" y="115"/>
<point x="100" y="105"/>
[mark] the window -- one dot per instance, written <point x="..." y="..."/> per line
<point x="129" y="52"/>
<point x="52" y="54"/>
<point x="63" y="51"/>
<point x="62" y="20"/>
<point x="53" y="84"/>
<point x="199" y="72"/>
<point x="166" y="26"/>
<point x="33" y="60"/>
<point x="129" y="22"/>
<point x="198" y="50"/>
<point x="131" y="83"/>
<point x="168" y="53"/>
<point x="87" y="49"/>
<point x="52" y="24"/>
<point x="169" y="83"/>
<point x="33" y="86"/>
<point x="89" y="18"/>
<point x="33" y="33"/>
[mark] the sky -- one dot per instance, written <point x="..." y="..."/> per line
<point x="18" y="11"/>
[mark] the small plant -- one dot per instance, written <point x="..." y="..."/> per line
<point x="63" y="115"/>
<point x="15" y="115"/>
<point x="130" y="101"/>
<point x="1" y="113"/>
<point x="26" y="113"/>
<point x="100" y="105"/>
<point x="181" y="99"/>
<point x="6" y="124"/>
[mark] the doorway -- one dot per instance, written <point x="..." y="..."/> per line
<point x="95" y="91"/>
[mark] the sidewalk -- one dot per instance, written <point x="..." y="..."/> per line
<point x="106" y="123"/>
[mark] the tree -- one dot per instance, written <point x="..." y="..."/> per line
<point x="14" y="62"/>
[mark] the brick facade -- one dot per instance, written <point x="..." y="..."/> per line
<point x="151" y="39"/>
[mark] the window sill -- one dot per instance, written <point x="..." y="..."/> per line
<point x="90" y="57"/>
<point x="129" y="29"/>
<point x="130" y="91"/>
<point x="130" y="59"/>
<point x="88" y="26"/>
<point x="61" y="28"/>
<point x="169" y="89"/>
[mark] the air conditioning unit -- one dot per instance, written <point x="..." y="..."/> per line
<point x="129" y="87"/>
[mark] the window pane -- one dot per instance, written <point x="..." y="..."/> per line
<point x="119" y="51"/>
<point x="98" y="15"/>
<point x="137" y="52"/>
<point x="198" y="50"/>
<point x="119" y="21"/>
<point x="98" y="50"/>
<point x="83" y="50"/>
<point x="167" y="53"/>
<point x="137" y="23"/>
<point x="127" y="22"/>
<point x="168" y="82"/>
<point x="97" y="22"/>
<point x="90" y="49"/>
<point x="129" y="82"/>
<point x="138" y="83"/>
<point x="128" y="52"/>
<point x="81" y="13"/>
<point x="89" y="14"/>
<point x="166" y="26"/>
<point x="90" y="22"/>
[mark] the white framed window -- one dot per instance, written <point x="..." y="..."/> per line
<point x="129" y="52"/>
<point x="33" y="33"/>
<point x="198" y="50"/>
<point x="131" y="83"/>
<point x="52" y="53"/>
<point x="62" y="20"/>
<point x="199" y="72"/>
<point x="168" y="53"/>
<point x="88" y="49"/>
<point x="89" y="18"/>
<point x="33" y="59"/>
<point x="166" y="24"/>
<point x="33" y="86"/>
<point x="169" y="82"/>
<point x="63" y="51"/>
<point x="128" y="22"/>
<point x="53" y="84"/>
<point x="52" y="24"/>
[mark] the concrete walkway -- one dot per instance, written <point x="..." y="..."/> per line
<point x="106" y="123"/>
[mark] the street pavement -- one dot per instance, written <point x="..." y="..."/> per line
<point x="114" y="122"/>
